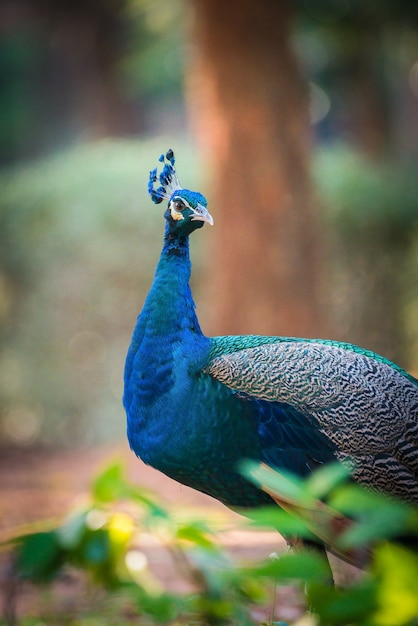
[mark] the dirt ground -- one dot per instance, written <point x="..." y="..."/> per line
<point x="38" y="485"/>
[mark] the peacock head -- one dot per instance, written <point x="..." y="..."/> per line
<point x="187" y="210"/>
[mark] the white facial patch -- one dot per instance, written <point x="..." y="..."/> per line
<point x="181" y="203"/>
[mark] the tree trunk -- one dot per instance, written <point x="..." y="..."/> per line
<point x="250" y="110"/>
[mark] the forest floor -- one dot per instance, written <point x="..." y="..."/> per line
<point x="39" y="485"/>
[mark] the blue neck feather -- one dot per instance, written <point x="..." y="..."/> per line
<point x="173" y="308"/>
<point x="167" y="329"/>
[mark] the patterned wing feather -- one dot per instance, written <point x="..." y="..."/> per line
<point x="366" y="408"/>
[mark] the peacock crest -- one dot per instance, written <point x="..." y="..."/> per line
<point x="168" y="179"/>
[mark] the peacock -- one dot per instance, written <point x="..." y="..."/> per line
<point x="198" y="406"/>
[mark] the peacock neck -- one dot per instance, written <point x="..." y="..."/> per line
<point x="167" y="343"/>
<point x="170" y="303"/>
<point x="177" y="244"/>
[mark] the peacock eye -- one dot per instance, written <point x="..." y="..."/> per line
<point x="179" y="205"/>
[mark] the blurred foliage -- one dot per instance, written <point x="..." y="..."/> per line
<point x="366" y="196"/>
<point x="371" y="217"/>
<point x="61" y="64"/>
<point x="360" y="57"/>
<point x="153" y="63"/>
<point x="79" y="240"/>
<point x="74" y="70"/>
<point x="104" y="538"/>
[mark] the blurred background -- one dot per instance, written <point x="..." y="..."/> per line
<point x="298" y="120"/>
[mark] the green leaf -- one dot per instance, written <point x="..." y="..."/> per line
<point x="354" y="500"/>
<point x="397" y="571"/>
<point x="285" y="523"/>
<point x="197" y="536"/>
<point x="306" y="566"/>
<point x="39" y="556"/>
<point x="141" y="497"/>
<point x="377" y="517"/>
<point x="349" y="606"/>
<point x="282" y="483"/>
<point x="326" y="478"/>
<point x="110" y="485"/>
<point x="162" y="608"/>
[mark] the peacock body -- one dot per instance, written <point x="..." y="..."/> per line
<point x="197" y="406"/>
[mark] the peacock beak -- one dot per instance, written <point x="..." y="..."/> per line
<point x="202" y="214"/>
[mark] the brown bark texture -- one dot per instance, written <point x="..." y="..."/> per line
<point x="250" y="109"/>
